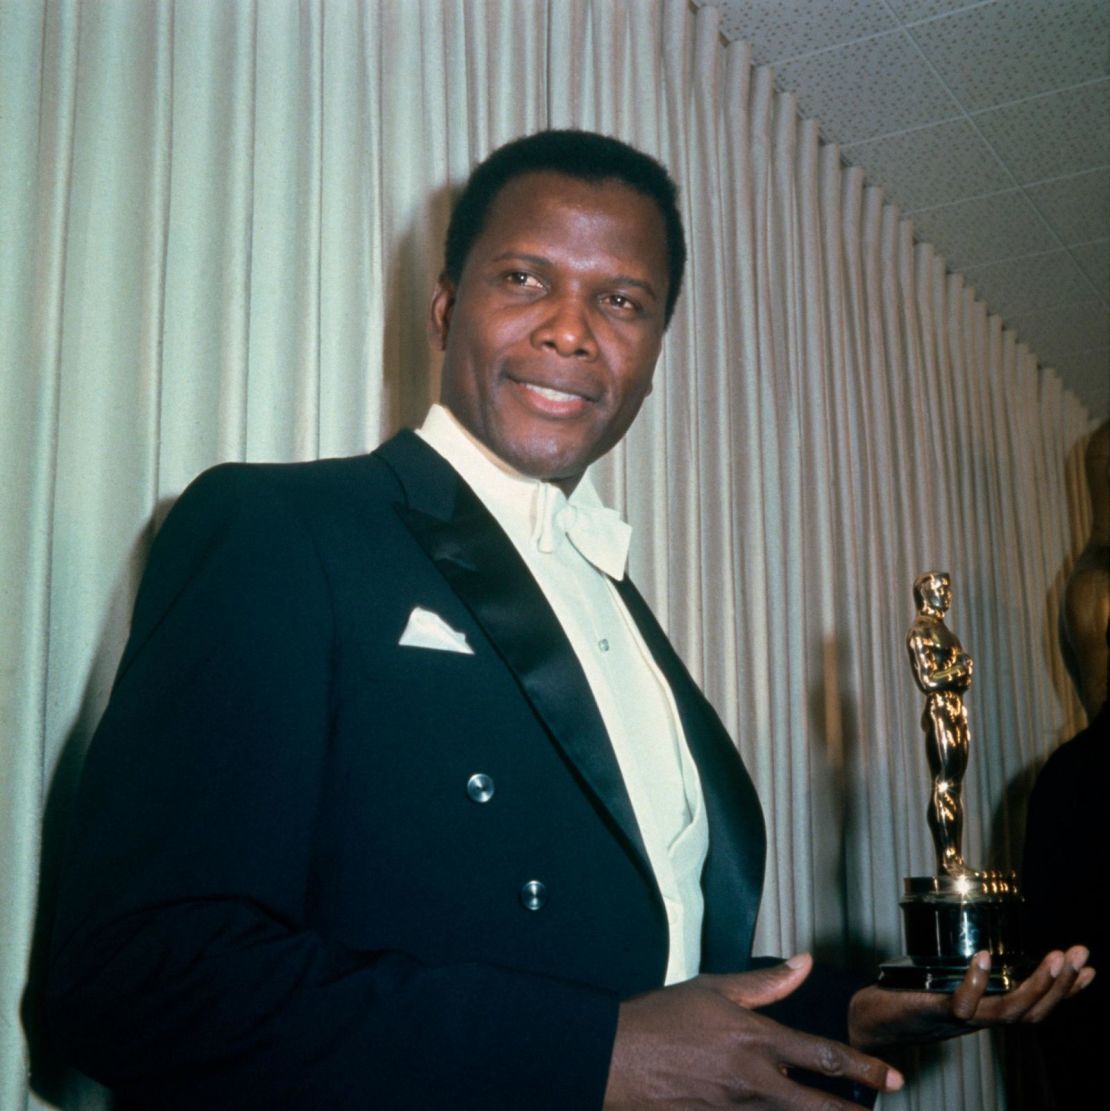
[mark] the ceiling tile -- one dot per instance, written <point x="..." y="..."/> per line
<point x="909" y="10"/>
<point x="867" y="88"/>
<point x="1077" y="207"/>
<point x="956" y="175"/>
<point x="930" y="166"/>
<point x="1094" y="261"/>
<point x="785" y="28"/>
<point x="1022" y="285"/>
<point x="999" y="226"/>
<point x="1055" y="333"/>
<point x="1035" y="47"/>
<point x="1052" y="135"/>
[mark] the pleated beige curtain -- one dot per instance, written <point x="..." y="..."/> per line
<point x="219" y="224"/>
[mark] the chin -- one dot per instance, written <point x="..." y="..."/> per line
<point x="548" y="466"/>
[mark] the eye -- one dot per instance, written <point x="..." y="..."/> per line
<point x="521" y="279"/>
<point x="622" y="304"/>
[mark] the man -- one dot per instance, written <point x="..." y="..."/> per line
<point x="943" y="672"/>
<point x="402" y="798"/>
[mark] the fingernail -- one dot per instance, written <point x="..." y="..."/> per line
<point x="1084" y="979"/>
<point x="799" y="960"/>
<point x="1079" y="957"/>
<point x="1056" y="965"/>
<point x="983" y="961"/>
<point x="894" y="1080"/>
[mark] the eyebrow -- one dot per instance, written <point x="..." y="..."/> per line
<point x="616" y="279"/>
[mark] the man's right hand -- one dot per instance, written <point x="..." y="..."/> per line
<point x="702" y="1043"/>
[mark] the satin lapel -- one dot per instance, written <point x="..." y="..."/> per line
<point x="733" y="876"/>
<point x="481" y="565"/>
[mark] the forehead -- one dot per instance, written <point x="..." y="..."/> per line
<point x="551" y="209"/>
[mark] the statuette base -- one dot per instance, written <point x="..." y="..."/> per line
<point x="948" y="919"/>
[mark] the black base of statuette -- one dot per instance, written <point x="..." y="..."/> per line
<point x="905" y="974"/>
<point x="948" y="919"/>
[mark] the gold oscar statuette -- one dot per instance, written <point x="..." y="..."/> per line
<point x="950" y="916"/>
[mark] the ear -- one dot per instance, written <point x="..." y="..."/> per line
<point x="439" y="312"/>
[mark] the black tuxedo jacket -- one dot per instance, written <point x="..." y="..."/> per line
<point x="279" y="890"/>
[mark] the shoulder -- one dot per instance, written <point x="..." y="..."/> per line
<point x="308" y="496"/>
<point x="236" y="485"/>
<point x="402" y="469"/>
<point x="924" y="631"/>
<point x="258" y="515"/>
<point x="290" y="522"/>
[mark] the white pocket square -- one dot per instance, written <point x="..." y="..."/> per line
<point x="428" y="630"/>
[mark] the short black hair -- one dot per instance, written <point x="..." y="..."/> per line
<point x="584" y="155"/>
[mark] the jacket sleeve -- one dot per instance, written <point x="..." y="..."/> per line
<point x="186" y="968"/>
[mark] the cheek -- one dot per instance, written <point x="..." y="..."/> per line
<point x="469" y="352"/>
<point x="622" y="418"/>
<point x="630" y="405"/>
<point x="637" y="383"/>
<point x="485" y="350"/>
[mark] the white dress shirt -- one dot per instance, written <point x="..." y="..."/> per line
<point x="574" y="549"/>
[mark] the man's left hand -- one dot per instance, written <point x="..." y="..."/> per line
<point x="880" y="1017"/>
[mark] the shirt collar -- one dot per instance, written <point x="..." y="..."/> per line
<point x="530" y="510"/>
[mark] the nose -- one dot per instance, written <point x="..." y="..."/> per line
<point x="565" y="329"/>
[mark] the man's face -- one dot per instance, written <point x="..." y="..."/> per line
<point x="552" y="333"/>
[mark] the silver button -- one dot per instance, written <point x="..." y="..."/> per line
<point x="480" y="787"/>
<point x="533" y="894"/>
<point x="603" y="644"/>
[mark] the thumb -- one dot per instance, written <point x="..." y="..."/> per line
<point x="764" y="985"/>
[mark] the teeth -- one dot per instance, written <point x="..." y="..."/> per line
<point x="555" y="395"/>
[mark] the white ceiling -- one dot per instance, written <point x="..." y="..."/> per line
<point x="987" y="124"/>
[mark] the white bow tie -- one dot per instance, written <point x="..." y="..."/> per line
<point x="597" y="532"/>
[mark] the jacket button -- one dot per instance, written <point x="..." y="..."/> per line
<point x="480" y="787"/>
<point x="533" y="894"/>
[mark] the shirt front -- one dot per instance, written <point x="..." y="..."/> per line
<point x="552" y="533"/>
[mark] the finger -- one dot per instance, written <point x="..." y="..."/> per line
<point x="782" y="1090"/>
<point x="1066" y="968"/>
<point x="1078" y="956"/>
<point x="1064" y="975"/>
<point x="970" y="1003"/>
<point x="1036" y="996"/>
<point x="831" y="1058"/>
<point x="1082" y="981"/>
<point x="966" y="998"/>
<point x="762" y="986"/>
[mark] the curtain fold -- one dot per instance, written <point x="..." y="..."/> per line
<point x="219" y="227"/>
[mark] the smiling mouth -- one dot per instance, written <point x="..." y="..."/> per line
<point x="553" y="394"/>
